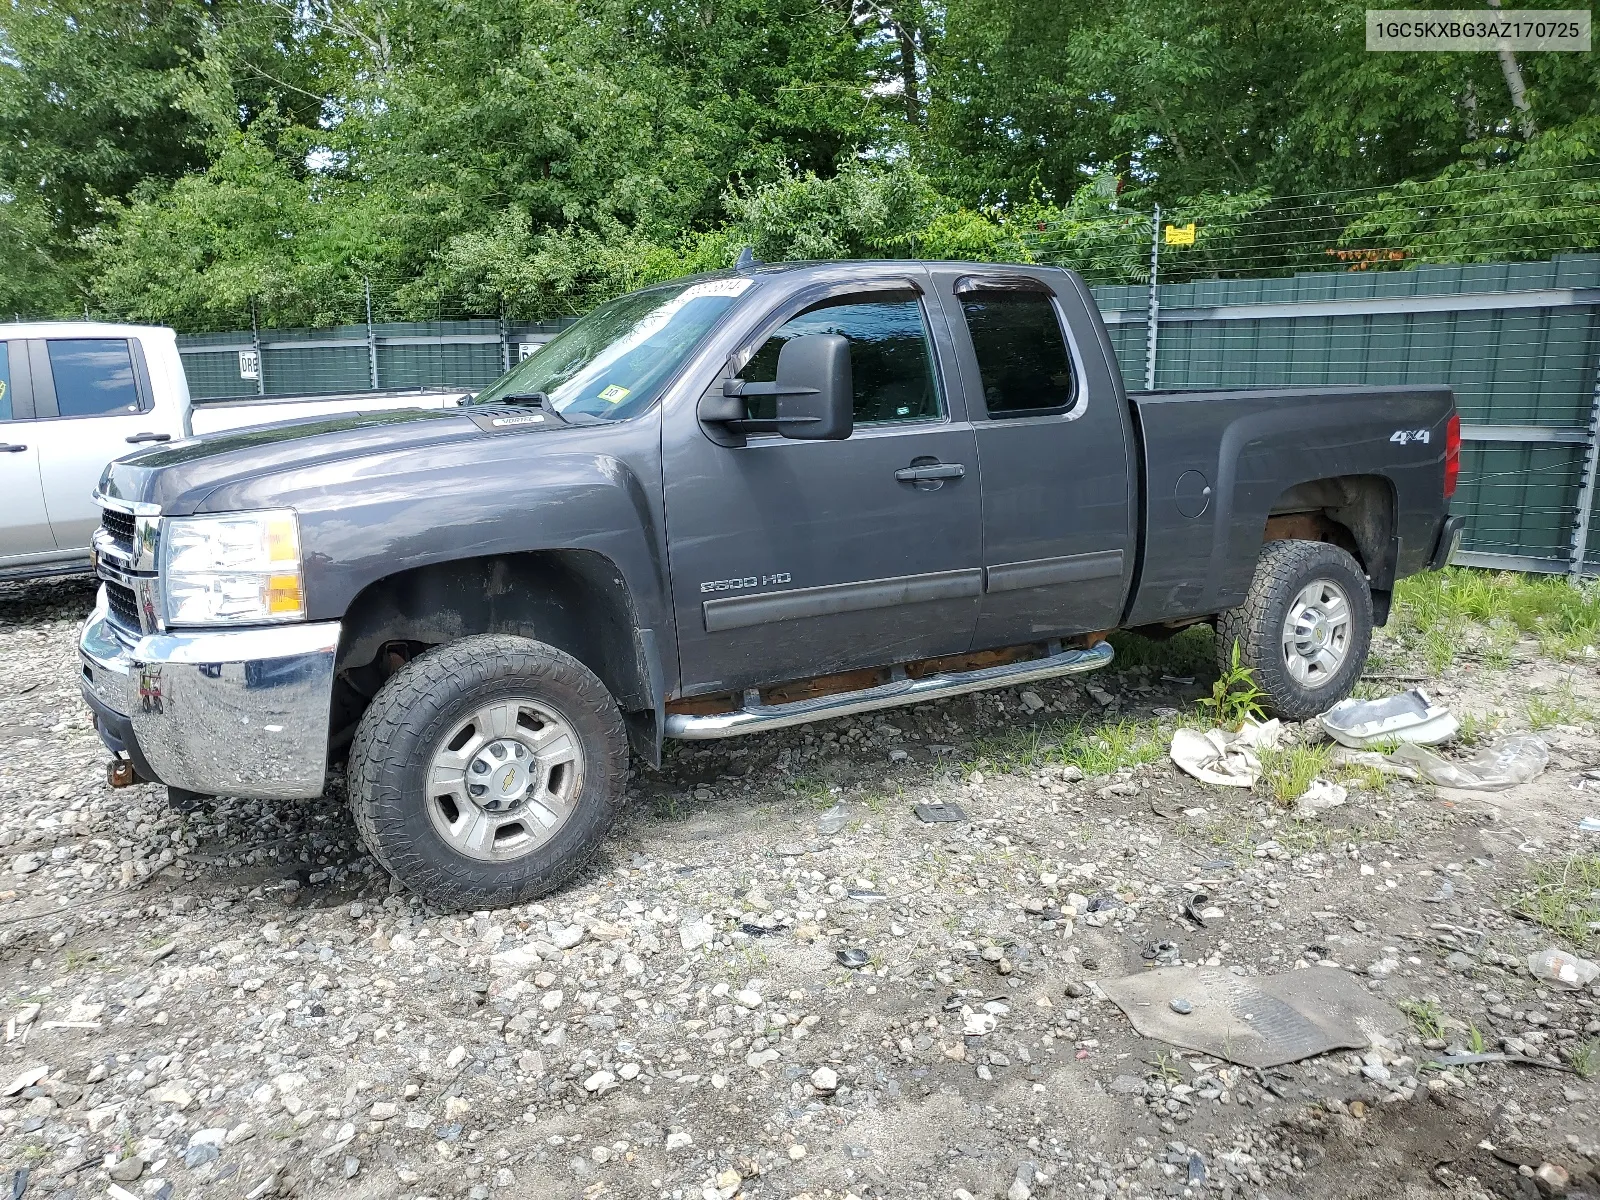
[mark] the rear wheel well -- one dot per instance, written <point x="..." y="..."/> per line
<point x="1355" y="513"/>
<point x="575" y="600"/>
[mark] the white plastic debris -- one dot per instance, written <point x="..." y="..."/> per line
<point x="1346" y="757"/>
<point x="1408" y="717"/>
<point x="1503" y="764"/>
<point x="1225" y="759"/>
<point x="1557" y="966"/>
<point x="1318" y="798"/>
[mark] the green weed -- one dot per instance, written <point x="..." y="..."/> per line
<point x="1475" y="1040"/>
<point x="1234" y="696"/>
<point x="1586" y="1059"/>
<point x="76" y="960"/>
<point x="1289" y="770"/>
<point x="1104" y="749"/>
<point x="1426" y="1016"/>
<point x="1093" y="749"/>
<point x="1477" y="728"/>
<point x="814" y="790"/>
<point x="1565" y="899"/>
<point x="1558" y="707"/>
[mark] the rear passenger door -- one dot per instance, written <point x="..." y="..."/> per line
<point x="24" y="527"/>
<point x="92" y="398"/>
<point x="1054" y="456"/>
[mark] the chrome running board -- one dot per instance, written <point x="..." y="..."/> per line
<point x="756" y="717"/>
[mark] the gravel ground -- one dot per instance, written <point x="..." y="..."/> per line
<point x="236" y="1003"/>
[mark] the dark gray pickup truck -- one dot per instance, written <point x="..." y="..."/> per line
<point x="714" y="507"/>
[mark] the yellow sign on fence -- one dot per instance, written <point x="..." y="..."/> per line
<point x="1180" y="235"/>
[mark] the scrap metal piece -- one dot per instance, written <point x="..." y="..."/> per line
<point x="1264" y="1021"/>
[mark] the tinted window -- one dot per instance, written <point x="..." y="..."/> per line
<point x="5" y="382"/>
<point x="93" y="376"/>
<point x="1022" y="356"/>
<point x="891" y="363"/>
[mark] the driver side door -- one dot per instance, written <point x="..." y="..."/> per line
<point x="792" y="559"/>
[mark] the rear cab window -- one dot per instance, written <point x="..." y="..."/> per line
<point x="1023" y="361"/>
<point x="5" y="381"/>
<point x="93" y="376"/>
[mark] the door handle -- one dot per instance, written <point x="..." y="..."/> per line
<point x="930" y="471"/>
<point x="148" y="437"/>
<point x="12" y="449"/>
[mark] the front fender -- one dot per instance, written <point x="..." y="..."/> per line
<point x="591" y="488"/>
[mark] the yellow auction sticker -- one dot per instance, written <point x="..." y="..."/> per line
<point x="613" y="394"/>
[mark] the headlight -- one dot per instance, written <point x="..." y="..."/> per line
<point x="234" y="569"/>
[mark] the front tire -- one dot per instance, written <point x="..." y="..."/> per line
<point x="487" y="771"/>
<point x="1303" y="629"/>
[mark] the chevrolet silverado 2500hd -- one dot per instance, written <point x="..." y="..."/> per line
<point x="715" y="507"/>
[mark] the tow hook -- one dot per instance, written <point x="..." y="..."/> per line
<point x="120" y="773"/>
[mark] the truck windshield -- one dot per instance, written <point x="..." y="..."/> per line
<point x="614" y="362"/>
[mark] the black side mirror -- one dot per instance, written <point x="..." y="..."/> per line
<point x="816" y="396"/>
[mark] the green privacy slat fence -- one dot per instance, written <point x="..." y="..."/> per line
<point x="1519" y="343"/>
<point x="293" y="362"/>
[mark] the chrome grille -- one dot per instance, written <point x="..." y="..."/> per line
<point x="120" y="526"/>
<point x="124" y="605"/>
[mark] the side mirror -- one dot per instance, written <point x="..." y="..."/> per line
<point x="816" y="395"/>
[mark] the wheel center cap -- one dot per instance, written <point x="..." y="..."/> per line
<point x="1319" y="629"/>
<point x="501" y="778"/>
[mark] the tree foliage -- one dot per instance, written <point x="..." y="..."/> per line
<point x="197" y="161"/>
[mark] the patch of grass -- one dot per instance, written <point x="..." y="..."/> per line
<point x="1190" y="652"/>
<point x="1426" y="1017"/>
<point x="1104" y="749"/>
<point x="1289" y="770"/>
<point x="1475" y="1041"/>
<point x="1564" y="898"/>
<point x="667" y="806"/>
<point x="1477" y="728"/>
<point x="76" y="960"/>
<point x="1430" y="609"/>
<point x="1586" y="1059"/>
<point x="813" y="790"/>
<point x="1095" y="749"/>
<point x="1234" y="696"/>
<point x="1557" y="707"/>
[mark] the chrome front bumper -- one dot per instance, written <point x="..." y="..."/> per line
<point x="230" y="712"/>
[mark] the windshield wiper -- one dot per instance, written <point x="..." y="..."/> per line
<point x="534" y="400"/>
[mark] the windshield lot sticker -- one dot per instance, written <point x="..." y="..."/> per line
<point x="613" y="394"/>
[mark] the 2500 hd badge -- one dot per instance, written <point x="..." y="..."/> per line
<point x="748" y="581"/>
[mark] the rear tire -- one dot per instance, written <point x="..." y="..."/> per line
<point x="486" y="772"/>
<point x="1303" y="629"/>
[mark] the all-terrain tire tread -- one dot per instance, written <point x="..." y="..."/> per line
<point x="411" y="699"/>
<point x="1281" y="569"/>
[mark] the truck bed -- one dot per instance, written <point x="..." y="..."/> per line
<point x="1215" y="463"/>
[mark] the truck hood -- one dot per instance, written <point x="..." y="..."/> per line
<point x="178" y="476"/>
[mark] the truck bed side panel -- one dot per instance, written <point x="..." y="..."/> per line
<point x="1249" y="447"/>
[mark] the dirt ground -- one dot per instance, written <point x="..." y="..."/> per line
<point x="236" y="1002"/>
